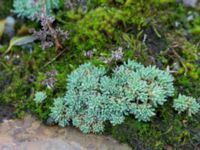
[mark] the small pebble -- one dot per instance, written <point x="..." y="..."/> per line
<point x="190" y="3"/>
<point x="10" y="27"/>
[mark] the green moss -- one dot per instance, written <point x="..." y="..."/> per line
<point x="166" y="130"/>
<point x="5" y="7"/>
<point x="103" y="25"/>
<point x="23" y="73"/>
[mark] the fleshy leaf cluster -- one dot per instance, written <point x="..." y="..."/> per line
<point x="83" y="103"/>
<point x="186" y="104"/>
<point x="135" y="89"/>
<point x="92" y="97"/>
<point x="40" y="97"/>
<point x="30" y="8"/>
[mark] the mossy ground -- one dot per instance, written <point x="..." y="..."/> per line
<point x="157" y="34"/>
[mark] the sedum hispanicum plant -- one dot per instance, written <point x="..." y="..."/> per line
<point x="92" y="97"/>
<point x="83" y="103"/>
<point x="40" y="97"/>
<point x="30" y="8"/>
<point x="135" y="89"/>
<point x="186" y="104"/>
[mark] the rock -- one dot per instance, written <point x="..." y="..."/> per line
<point x="50" y="121"/>
<point x="16" y="61"/>
<point x="9" y="27"/>
<point x="30" y="134"/>
<point x="7" y="112"/>
<point x="188" y="3"/>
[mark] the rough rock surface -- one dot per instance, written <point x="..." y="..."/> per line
<point x="30" y="134"/>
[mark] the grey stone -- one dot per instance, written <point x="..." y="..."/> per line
<point x="30" y="134"/>
<point x="190" y="3"/>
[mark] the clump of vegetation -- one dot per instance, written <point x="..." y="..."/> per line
<point x="49" y="35"/>
<point x="83" y="102"/>
<point x="135" y="89"/>
<point x="103" y="25"/>
<point x="30" y="8"/>
<point x="40" y="97"/>
<point x="42" y="11"/>
<point x="92" y="98"/>
<point x="188" y="104"/>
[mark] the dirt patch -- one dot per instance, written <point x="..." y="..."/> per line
<point x="155" y="44"/>
<point x="6" y="112"/>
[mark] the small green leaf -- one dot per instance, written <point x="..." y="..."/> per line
<point x="18" y="41"/>
<point x="156" y="31"/>
<point x="2" y="26"/>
